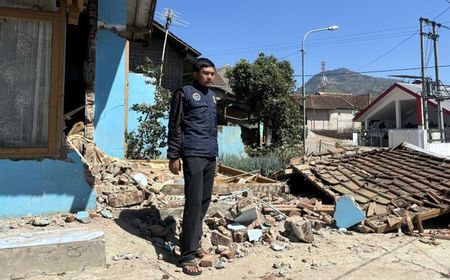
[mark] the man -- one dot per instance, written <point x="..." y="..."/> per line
<point x="193" y="139"/>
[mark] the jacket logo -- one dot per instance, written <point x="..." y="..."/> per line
<point x="196" y="96"/>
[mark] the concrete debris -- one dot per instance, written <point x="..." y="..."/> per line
<point x="301" y="228"/>
<point x="41" y="222"/>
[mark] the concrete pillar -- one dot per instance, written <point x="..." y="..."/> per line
<point x="366" y="123"/>
<point x="398" y="114"/>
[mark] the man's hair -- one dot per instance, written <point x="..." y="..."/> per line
<point x="203" y="63"/>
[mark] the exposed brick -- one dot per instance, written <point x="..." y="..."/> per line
<point x="219" y="239"/>
<point x="207" y="261"/>
<point x="126" y="199"/>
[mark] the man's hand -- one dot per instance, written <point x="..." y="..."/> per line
<point x="175" y="166"/>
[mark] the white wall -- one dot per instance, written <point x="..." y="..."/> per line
<point x="412" y="136"/>
<point x="341" y="120"/>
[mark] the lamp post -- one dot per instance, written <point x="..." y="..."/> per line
<point x="330" y="28"/>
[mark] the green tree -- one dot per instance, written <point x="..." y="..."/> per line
<point x="266" y="86"/>
<point x="151" y="135"/>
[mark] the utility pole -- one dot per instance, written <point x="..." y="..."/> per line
<point x="438" y="87"/>
<point x="437" y="93"/>
<point x="424" y="86"/>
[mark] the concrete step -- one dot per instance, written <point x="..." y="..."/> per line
<point x="53" y="251"/>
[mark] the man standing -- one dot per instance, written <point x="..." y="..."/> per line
<point x="193" y="139"/>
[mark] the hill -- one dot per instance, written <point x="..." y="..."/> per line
<point x="347" y="81"/>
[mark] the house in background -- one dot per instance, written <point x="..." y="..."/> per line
<point x="396" y="116"/>
<point x="178" y="60"/>
<point x="332" y="113"/>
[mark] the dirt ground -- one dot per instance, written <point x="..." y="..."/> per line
<point x="333" y="255"/>
<point x="319" y="143"/>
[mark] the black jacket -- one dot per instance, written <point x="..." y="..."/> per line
<point x="193" y="123"/>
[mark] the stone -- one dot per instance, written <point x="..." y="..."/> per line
<point x="230" y="253"/>
<point x="126" y="199"/>
<point x="239" y="236"/>
<point x="364" y="229"/>
<point x="301" y="228"/>
<point x="41" y="222"/>
<point x="224" y="231"/>
<point x="71" y="218"/>
<point x="106" y="214"/>
<point x="219" y="239"/>
<point x="207" y="261"/>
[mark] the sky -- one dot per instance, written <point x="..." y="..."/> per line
<point x="373" y="38"/>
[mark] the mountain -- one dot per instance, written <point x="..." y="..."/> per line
<point x="343" y="80"/>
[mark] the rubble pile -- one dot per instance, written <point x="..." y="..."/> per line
<point x="236" y="222"/>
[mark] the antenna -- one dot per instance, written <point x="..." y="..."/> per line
<point x="172" y="18"/>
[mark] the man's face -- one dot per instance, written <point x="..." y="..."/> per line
<point x="205" y="76"/>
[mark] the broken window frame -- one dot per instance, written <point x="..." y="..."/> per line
<point x="55" y="120"/>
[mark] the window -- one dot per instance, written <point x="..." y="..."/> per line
<point x="31" y="77"/>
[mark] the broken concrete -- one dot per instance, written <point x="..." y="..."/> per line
<point x="50" y="252"/>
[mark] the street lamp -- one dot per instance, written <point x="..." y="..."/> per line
<point x="330" y="28"/>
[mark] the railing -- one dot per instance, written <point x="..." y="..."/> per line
<point x="374" y="138"/>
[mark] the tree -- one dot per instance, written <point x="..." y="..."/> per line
<point x="151" y="135"/>
<point x="266" y="86"/>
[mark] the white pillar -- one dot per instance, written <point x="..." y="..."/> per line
<point x="398" y="114"/>
<point x="366" y="123"/>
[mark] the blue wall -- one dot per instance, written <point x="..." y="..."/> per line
<point x="109" y="118"/>
<point x="44" y="187"/>
<point x="112" y="11"/>
<point x="230" y="142"/>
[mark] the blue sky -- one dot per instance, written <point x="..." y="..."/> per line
<point x="372" y="36"/>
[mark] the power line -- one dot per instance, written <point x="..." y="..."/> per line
<point x="398" y="45"/>
<point x="377" y="71"/>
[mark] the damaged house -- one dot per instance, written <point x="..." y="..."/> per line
<point x="63" y="61"/>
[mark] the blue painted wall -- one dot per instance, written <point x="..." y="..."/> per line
<point x="230" y="142"/>
<point x="109" y="117"/>
<point x="44" y="187"/>
<point x="113" y="11"/>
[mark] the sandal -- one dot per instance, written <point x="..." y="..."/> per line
<point x="191" y="268"/>
<point x="200" y="253"/>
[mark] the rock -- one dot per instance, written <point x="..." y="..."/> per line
<point x="207" y="261"/>
<point x="71" y="218"/>
<point x="106" y="214"/>
<point x="239" y="236"/>
<point x="220" y="263"/>
<point x="230" y="253"/>
<point x="301" y="228"/>
<point x="219" y="239"/>
<point x="278" y="247"/>
<point x="140" y="179"/>
<point x="126" y="198"/>
<point x="365" y="229"/>
<point x="224" y="231"/>
<point x="41" y="222"/>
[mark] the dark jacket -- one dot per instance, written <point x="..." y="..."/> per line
<point x="193" y="123"/>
